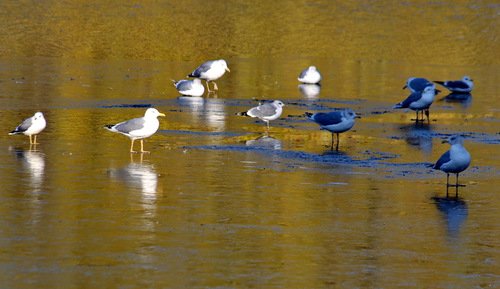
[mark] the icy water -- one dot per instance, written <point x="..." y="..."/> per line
<point x="218" y="203"/>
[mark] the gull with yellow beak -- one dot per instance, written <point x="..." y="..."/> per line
<point x="138" y="128"/>
<point x="211" y="71"/>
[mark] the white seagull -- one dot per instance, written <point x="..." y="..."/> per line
<point x="335" y="122"/>
<point x="138" y="128"/>
<point x="189" y="87"/>
<point x="464" y="85"/>
<point x="267" y="111"/>
<point x="310" y="75"/>
<point x="210" y="71"/>
<point x="31" y="126"/>
<point x="419" y="101"/>
<point x="455" y="160"/>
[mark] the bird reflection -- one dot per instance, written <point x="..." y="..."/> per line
<point x="195" y="103"/>
<point x="264" y="141"/>
<point x="138" y="175"/>
<point x="34" y="163"/>
<point x="215" y="114"/>
<point x="454" y="212"/>
<point x="310" y="90"/>
<point x="464" y="98"/>
<point x="418" y="135"/>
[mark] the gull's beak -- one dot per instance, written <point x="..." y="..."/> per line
<point x="161" y="114"/>
<point x="357" y="116"/>
<point x="444" y="141"/>
<point x="227" y="68"/>
<point x="405" y="86"/>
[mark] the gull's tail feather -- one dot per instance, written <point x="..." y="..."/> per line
<point x="398" y="105"/>
<point x="109" y="127"/>
<point x="243" y="113"/>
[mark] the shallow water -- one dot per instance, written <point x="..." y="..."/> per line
<point x="218" y="203"/>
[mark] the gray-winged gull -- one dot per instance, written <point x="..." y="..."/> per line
<point x="419" y="101"/>
<point x="266" y="111"/>
<point x="466" y="84"/>
<point x="310" y="75"/>
<point x="31" y="126"/>
<point x="189" y="87"/>
<point x="210" y="71"/>
<point x="138" y="128"/>
<point x="455" y="160"/>
<point x="335" y="122"/>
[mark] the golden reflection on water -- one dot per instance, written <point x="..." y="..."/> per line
<point x="79" y="211"/>
<point x="459" y="32"/>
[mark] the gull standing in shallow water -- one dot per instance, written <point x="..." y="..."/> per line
<point x="335" y="122"/>
<point x="455" y="160"/>
<point x="466" y="84"/>
<point x="310" y="75"/>
<point x="267" y="111"/>
<point x="419" y="101"/>
<point x="31" y="126"/>
<point x="210" y="71"/>
<point x="138" y="128"/>
<point x="189" y="87"/>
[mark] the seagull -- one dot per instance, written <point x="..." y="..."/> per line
<point x="31" y="127"/>
<point x="335" y="122"/>
<point x="455" y="160"/>
<point x="418" y="84"/>
<point x="189" y="87"/>
<point x="210" y="71"/>
<point x="138" y="128"/>
<point x="419" y="101"/>
<point x="266" y="111"/>
<point x="464" y="85"/>
<point x="310" y="75"/>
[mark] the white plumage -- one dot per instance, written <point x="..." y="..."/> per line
<point x="310" y="75"/>
<point x="138" y="128"/>
<point x="31" y="126"/>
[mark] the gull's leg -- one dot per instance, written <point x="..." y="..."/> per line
<point x="208" y="86"/>
<point x="142" y="147"/>
<point x="447" y="179"/>
<point x="457" y="184"/>
<point x="31" y="142"/>
<point x="132" y="146"/>
<point x="338" y="141"/>
<point x="34" y="140"/>
<point x="427" y="113"/>
<point x="331" y="147"/>
<point x="215" y="86"/>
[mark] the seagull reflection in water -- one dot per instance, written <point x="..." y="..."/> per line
<point x="418" y="135"/>
<point x="33" y="162"/>
<point x="264" y="141"/>
<point x="310" y="90"/>
<point x="464" y="98"/>
<point x="140" y="176"/>
<point x="454" y="211"/>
